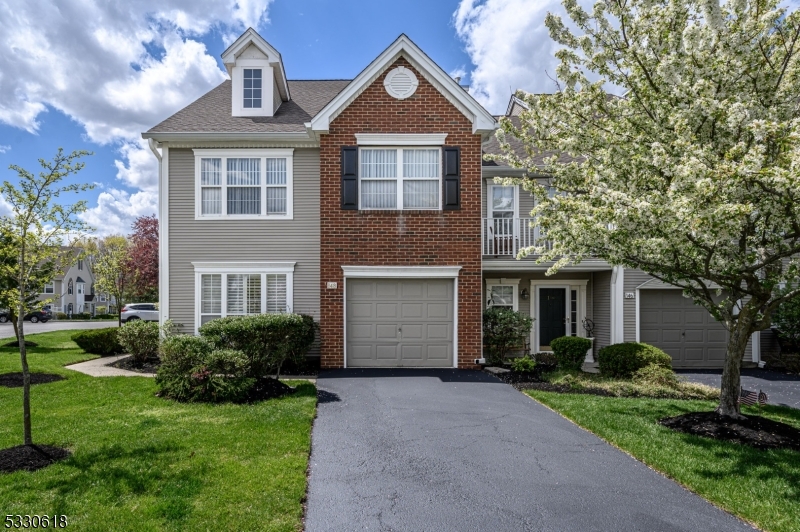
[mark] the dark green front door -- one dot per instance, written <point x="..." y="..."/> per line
<point x="552" y="311"/>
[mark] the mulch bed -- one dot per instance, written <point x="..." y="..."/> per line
<point x="561" y="388"/>
<point x="14" y="380"/>
<point x="15" y="343"/>
<point x="148" y="366"/>
<point x="755" y="431"/>
<point x="268" y="388"/>
<point x="30" y="457"/>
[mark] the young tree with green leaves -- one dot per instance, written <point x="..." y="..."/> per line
<point x="691" y="175"/>
<point x="36" y="227"/>
<point x="110" y="263"/>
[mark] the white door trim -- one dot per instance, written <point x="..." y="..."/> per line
<point x="403" y="272"/>
<point x="568" y="284"/>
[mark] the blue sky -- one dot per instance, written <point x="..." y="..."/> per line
<point x="92" y="75"/>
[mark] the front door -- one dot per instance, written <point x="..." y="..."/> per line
<point x="552" y="311"/>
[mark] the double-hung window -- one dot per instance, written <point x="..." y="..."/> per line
<point x="400" y="178"/>
<point x="49" y="288"/>
<point x="241" y="289"/>
<point x="252" y="88"/>
<point x="243" y="184"/>
<point x="502" y="293"/>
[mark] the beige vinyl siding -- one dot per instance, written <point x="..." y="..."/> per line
<point x="602" y="309"/>
<point x="633" y="279"/>
<point x="525" y="200"/>
<point x="276" y="96"/>
<point x="193" y="240"/>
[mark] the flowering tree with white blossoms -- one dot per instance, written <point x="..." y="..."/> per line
<point x="693" y="175"/>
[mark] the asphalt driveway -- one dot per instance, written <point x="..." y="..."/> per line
<point x="459" y="450"/>
<point x="781" y="389"/>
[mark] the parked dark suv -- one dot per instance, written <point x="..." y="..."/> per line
<point x="35" y="316"/>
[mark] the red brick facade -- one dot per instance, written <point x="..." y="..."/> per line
<point x="400" y="238"/>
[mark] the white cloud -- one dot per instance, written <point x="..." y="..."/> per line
<point x="510" y="47"/>
<point x="117" y="68"/>
<point x="116" y="210"/>
<point x="4" y="148"/>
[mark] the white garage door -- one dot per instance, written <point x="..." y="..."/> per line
<point x="399" y="323"/>
<point x="685" y="331"/>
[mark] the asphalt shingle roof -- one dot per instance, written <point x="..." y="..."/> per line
<point x="212" y="111"/>
<point x="492" y="146"/>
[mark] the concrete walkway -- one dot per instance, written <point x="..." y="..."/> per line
<point x="99" y="367"/>
<point x="459" y="450"/>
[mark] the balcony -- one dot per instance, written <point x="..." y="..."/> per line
<point x="504" y="237"/>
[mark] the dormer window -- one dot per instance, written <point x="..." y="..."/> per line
<point x="252" y="88"/>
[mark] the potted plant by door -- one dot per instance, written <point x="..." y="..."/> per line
<point x="588" y="326"/>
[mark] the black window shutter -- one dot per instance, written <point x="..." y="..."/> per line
<point x="350" y="178"/>
<point x="452" y="178"/>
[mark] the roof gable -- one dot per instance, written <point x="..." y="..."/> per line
<point x="251" y="42"/>
<point x="482" y="121"/>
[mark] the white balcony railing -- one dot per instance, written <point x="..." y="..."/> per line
<point x="506" y="236"/>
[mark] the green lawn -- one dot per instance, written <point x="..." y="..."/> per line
<point x="144" y="463"/>
<point x="760" y="486"/>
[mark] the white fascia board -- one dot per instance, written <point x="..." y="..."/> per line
<point x="191" y="136"/>
<point x="531" y="266"/>
<point x="243" y="267"/>
<point x="251" y="36"/>
<point x="401" y="271"/>
<point x="400" y="139"/>
<point x="482" y="120"/>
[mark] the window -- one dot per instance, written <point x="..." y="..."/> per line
<point x="231" y="289"/>
<point x="49" y="288"/>
<point x="244" y="183"/>
<point x="400" y="178"/>
<point x="80" y="288"/>
<point x="502" y="202"/>
<point x="80" y="264"/>
<point x="502" y="293"/>
<point x="252" y="88"/>
<point x="69" y="287"/>
<point x="573" y="313"/>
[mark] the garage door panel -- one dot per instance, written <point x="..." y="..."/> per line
<point x="395" y="322"/>
<point x="386" y="331"/>
<point x="682" y="329"/>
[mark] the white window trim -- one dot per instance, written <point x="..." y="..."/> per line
<point x="568" y="284"/>
<point x="514" y="283"/>
<point x="399" y="179"/>
<point x="237" y="88"/>
<point x="283" y="153"/>
<point x="400" y="139"/>
<point x="80" y="288"/>
<point x="232" y="268"/>
<point x="51" y="285"/>
<point x="490" y="195"/>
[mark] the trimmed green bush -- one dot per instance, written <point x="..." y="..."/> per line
<point x="192" y="370"/>
<point x="140" y="338"/>
<point x="268" y="340"/>
<point x="570" y="351"/>
<point x="101" y="342"/>
<point x="60" y="316"/>
<point x="105" y="316"/>
<point x="81" y="316"/>
<point x="523" y="365"/>
<point x="656" y="375"/>
<point x="623" y="360"/>
<point x="504" y="331"/>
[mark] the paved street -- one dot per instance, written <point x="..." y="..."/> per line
<point x="7" y="330"/>
<point x="782" y="389"/>
<point x="459" y="450"/>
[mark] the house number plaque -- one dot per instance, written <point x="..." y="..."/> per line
<point x="630" y="295"/>
<point x="333" y="286"/>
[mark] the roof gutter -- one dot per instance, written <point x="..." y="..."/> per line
<point x="154" y="148"/>
<point x="190" y="136"/>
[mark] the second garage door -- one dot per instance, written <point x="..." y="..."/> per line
<point x="685" y="331"/>
<point x="399" y="323"/>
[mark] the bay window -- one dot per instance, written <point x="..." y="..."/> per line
<point x="400" y="178"/>
<point x="243" y="184"/>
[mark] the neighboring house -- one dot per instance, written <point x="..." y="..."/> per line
<point x="72" y="291"/>
<point x="366" y="204"/>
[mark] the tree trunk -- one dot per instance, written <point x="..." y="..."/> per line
<point x="13" y="316"/>
<point x="731" y="372"/>
<point x="26" y="377"/>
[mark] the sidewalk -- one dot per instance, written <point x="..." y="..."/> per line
<point x="99" y="367"/>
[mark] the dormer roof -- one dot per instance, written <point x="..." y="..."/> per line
<point x="251" y="38"/>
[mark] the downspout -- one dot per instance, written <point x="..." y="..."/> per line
<point x="161" y="267"/>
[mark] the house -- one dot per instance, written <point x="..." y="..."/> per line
<point x="367" y="204"/>
<point x="72" y="291"/>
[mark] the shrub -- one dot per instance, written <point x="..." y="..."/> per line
<point x="623" y="360"/>
<point x="101" y="310"/>
<point x="504" y="330"/>
<point x="192" y="370"/>
<point x="544" y="358"/>
<point x="656" y="375"/>
<point x="787" y="320"/>
<point x="81" y="316"/>
<point x="268" y="340"/>
<point x="105" y="316"/>
<point x="103" y="342"/>
<point x="140" y="338"/>
<point x="60" y="316"/>
<point x="523" y="365"/>
<point x="570" y="351"/>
